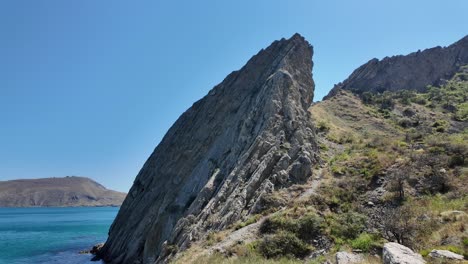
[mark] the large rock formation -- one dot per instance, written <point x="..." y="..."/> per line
<point x="67" y="191"/>
<point x="414" y="71"/>
<point x="250" y="135"/>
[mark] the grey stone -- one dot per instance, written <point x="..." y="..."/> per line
<point x="394" y="253"/>
<point x="343" y="257"/>
<point x="437" y="253"/>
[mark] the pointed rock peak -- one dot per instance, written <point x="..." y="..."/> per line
<point x="462" y="41"/>
<point x="292" y="57"/>
<point x="249" y="136"/>
<point x="298" y="37"/>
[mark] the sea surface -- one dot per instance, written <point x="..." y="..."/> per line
<point x="52" y="235"/>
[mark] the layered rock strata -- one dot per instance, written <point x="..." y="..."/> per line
<point x="249" y="136"/>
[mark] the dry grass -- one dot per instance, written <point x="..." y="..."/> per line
<point x="217" y="258"/>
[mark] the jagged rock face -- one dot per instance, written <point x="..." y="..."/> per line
<point x="250" y="135"/>
<point x="411" y="72"/>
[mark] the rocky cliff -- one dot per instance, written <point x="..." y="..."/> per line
<point x="67" y="191"/>
<point x="414" y="71"/>
<point x="249" y="136"/>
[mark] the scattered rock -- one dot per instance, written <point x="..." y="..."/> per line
<point x="348" y="258"/>
<point x="96" y="248"/>
<point x="394" y="253"/>
<point x="436" y="253"/>
<point x="317" y="253"/>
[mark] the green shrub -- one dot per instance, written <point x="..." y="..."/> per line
<point x="249" y="221"/>
<point x="440" y="125"/>
<point x="405" y="122"/>
<point x="171" y="249"/>
<point x="462" y="112"/>
<point x="425" y="252"/>
<point x="420" y="100"/>
<point x="276" y="223"/>
<point x="465" y="241"/>
<point x="363" y="242"/>
<point x="309" y="226"/>
<point x="348" y="225"/>
<point x="283" y="244"/>
<point x="323" y="126"/>
<point x="305" y="227"/>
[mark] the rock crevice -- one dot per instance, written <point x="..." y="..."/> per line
<point x="250" y="135"/>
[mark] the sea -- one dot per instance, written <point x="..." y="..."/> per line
<point x="52" y="235"/>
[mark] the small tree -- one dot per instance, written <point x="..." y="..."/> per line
<point x="399" y="224"/>
<point x="397" y="181"/>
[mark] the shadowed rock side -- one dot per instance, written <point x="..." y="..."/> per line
<point x="67" y="191"/>
<point x="411" y="72"/>
<point x="250" y="135"/>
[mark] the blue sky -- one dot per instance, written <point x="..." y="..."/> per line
<point x="90" y="87"/>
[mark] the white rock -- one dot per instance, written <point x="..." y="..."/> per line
<point x="348" y="258"/>
<point x="436" y="253"/>
<point x="394" y="253"/>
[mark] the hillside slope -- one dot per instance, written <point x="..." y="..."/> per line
<point x="393" y="168"/>
<point x="67" y="191"/>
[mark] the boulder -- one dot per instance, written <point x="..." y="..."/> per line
<point x="437" y="253"/>
<point x="348" y="258"/>
<point x="394" y="253"/>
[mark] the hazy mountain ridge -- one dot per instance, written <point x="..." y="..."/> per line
<point x="66" y="191"/>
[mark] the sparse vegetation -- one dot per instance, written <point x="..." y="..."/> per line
<point x="395" y="165"/>
<point x="283" y="244"/>
<point x="366" y="242"/>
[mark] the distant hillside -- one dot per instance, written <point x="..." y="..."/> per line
<point x="67" y="191"/>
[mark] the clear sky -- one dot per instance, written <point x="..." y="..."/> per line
<point x="90" y="87"/>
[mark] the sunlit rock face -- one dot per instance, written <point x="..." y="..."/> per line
<point x="411" y="72"/>
<point x="249" y="136"/>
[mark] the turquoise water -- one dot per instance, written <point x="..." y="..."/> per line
<point x="52" y="235"/>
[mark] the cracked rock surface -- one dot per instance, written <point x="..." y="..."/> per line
<point x="250" y="135"/>
<point x="410" y="72"/>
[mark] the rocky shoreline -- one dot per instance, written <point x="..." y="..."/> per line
<point x="93" y="251"/>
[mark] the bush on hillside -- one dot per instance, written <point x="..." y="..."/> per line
<point x="283" y="244"/>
